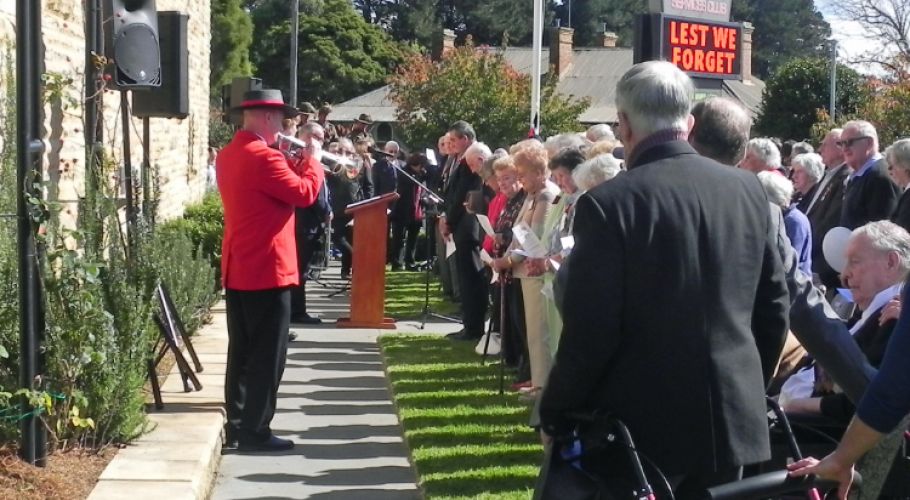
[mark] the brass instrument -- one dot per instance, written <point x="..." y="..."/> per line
<point x="331" y="162"/>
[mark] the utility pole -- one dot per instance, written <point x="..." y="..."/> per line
<point x="833" y="103"/>
<point x="295" y="33"/>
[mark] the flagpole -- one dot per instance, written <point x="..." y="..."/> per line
<point x="537" y="48"/>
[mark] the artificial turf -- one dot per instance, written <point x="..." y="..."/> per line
<point x="466" y="440"/>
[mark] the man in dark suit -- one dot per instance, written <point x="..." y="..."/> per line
<point x="465" y="231"/>
<point x="676" y="292"/>
<point x="871" y="195"/>
<point x="825" y="207"/>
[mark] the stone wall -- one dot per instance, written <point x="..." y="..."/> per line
<point x="177" y="147"/>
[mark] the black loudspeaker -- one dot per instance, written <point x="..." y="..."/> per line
<point x="171" y="99"/>
<point x="238" y="87"/>
<point x="131" y="40"/>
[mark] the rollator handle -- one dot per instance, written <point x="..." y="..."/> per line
<point x="771" y="484"/>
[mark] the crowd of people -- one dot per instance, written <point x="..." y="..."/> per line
<point x="677" y="257"/>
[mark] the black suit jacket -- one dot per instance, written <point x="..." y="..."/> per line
<point x="870" y="197"/>
<point x="901" y="215"/>
<point x="803" y="202"/>
<point x="675" y="311"/>
<point x="824" y="216"/>
<point x="463" y="225"/>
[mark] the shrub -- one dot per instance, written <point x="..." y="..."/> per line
<point x="203" y="223"/>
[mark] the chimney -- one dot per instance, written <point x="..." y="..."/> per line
<point x="446" y="44"/>
<point x="561" y="49"/>
<point x="746" y="63"/>
<point x="608" y="39"/>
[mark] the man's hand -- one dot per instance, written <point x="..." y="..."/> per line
<point x="829" y="468"/>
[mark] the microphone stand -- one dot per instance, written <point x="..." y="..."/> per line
<point x="427" y="312"/>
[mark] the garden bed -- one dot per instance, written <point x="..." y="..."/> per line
<point x="69" y="475"/>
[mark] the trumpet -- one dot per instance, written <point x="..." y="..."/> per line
<point x="331" y="162"/>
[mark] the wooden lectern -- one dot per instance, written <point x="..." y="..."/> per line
<point x="371" y="229"/>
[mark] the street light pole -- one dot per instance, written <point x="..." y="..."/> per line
<point x="295" y="29"/>
<point x="833" y="102"/>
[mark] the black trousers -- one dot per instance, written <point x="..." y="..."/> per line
<point x="473" y="282"/>
<point x="258" y="323"/>
<point x="404" y="236"/>
<point x="514" y="339"/>
<point x="343" y="238"/>
<point x="306" y="248"/>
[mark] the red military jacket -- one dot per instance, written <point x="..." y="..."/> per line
<point x="259" y="190"/>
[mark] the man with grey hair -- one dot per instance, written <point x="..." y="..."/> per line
<point x="825" y="206"/>
<point x="600" y="132"/>
<point x="556" y="143"/>
<point x="761" y="155"/>
<point x="871" y="195"/>
<point x="722" y="321"/>
<point x="807" y="169"/>
<point x="721" y="129"/>
<point x="875" y="261"/>
<point x="385" y="175"/>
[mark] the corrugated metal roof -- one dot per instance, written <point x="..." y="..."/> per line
<point x="593" y="73"/>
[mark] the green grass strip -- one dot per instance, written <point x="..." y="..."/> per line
<point x="466" y="440"/>
<point x="404" y="295"/>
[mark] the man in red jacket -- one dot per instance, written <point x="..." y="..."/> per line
<point x="260" y="188"/>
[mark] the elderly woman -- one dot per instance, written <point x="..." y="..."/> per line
<point x="531" y="162"/>
<point x="808" y="169"/>
<point x="898" y="157"/>
<point x="596" y="170"/>
<point x="557" y="232"/>
<point x="780" y="190"/>
<point x="514" y="343"/>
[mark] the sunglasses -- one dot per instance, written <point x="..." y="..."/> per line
<point x="847" y="143"/>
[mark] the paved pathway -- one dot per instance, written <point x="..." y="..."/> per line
<point x="334" y="403"/>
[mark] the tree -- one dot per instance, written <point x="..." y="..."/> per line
<point x="590" y="17"/>
<point x="340" y="55"/>
<point x="887" y="21"/>
<point x="479" y="86"/>
<point x="799" y="89"/>
<point x="784" y="30"/>
<point x="232" y="35"/>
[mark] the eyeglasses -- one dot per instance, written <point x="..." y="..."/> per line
<point x="848" y="143"/>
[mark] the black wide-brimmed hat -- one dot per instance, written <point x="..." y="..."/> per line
<point x="365" y="118"/>
<point x="266" y="99"/>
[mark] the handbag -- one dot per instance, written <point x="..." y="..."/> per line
<point x="495" y="344"/>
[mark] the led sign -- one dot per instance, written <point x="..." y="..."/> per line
<point x="702" y="48"/>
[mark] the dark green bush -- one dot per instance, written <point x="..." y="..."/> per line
<point x="204" y="224"/>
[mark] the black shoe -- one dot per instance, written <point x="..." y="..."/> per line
<point x="292" y="335"/>
<point x="230" y="438"/>
<point x="396" y="268"/>
<point x="346" y="275"/>
<point x="412" y="267"/>
<point x="273" y="443"/>
<point x="305" y="319"/>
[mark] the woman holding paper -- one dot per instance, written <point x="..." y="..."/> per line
<point x="531" y="161"/>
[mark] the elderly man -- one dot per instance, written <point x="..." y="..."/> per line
<point x="438" y="183"/>
<point x="871" y="195"/>
<point x="464" y="198"/>
<point x="877" y="259"/>
<point x="761" y="155"/>
<point x="653" y="311"/>
<point x="385" y="175"/>
<point x="260" y="188"/>
<point x="721" y="130"/>
<point x="808" y="169"/>
<point x="826" y="204"/>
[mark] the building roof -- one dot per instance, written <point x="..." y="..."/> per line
<point x="593" y="73"/>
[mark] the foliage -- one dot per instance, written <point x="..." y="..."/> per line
<point x="465" y="439"/>
<point x="341" y="56"/>
<point x="784" y="30"/>
<point x="232" y="37"/>
<point x="590" y="17"/>
<point x="886" y="109"/>
<point x="794" y="94"/>
<point x="220" y="132"/>
<point x="479" y="86"/>
<point x="203" y="223"/>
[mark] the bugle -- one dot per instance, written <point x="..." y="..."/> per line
<point x="331" y="162"/>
